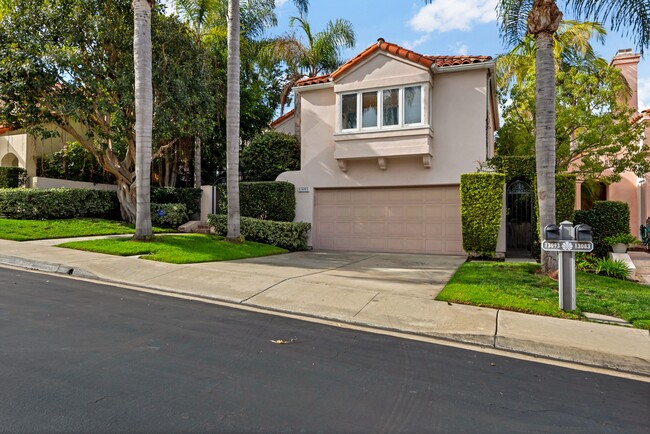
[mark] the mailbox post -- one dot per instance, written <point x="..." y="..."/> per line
<point x="567" y="240"/>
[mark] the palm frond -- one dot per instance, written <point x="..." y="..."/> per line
<point x="630" y="17"/>
<point x="513" y="16"/>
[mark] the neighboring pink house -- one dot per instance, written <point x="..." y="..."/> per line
<point x="630" y="189"/>
<point x="384" y="141"/>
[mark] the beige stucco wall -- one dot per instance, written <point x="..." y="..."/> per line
<point x="287" y="126"/>
<point x="27" y="147"/>
<point x="457" y="130"/>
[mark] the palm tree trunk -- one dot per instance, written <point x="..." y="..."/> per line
<point x="143" y="115"/>
<point x="545" y="138"/>
<point x="232" y="123"/>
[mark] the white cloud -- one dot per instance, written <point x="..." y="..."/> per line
<point x="459" y="48"/>
<point x="411" y="45"/>
<point x="447" y="15"/>
<point x="644" y="93"/>
<point x="280" y="3"/>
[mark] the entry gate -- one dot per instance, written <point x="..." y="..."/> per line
<point x="519" y="234"/>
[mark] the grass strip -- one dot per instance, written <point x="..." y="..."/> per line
<point x="29" y="230"/>
<point x="518" y="287"/>
<point x="178" y="249"/>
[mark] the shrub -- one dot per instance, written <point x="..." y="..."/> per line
<point x="481" y="196"/>
<point x="607" y="218"/>
<point x="274" y="200"/>
<point x="288" y="235"/>
<point x="190" y="197"/>
<point x="12" y="177"/>
<point x="622" y="238"/>
<point x="268" y="155"/>
<point x="565" y="197"/>
<point x="57" y="203"/>
<point x="168" y="215"/>
<point x="612" y="268"/>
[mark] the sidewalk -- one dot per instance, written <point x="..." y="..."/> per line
<point x="382" y="291"/>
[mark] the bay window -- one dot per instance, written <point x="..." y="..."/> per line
<point x="381" y="109"/>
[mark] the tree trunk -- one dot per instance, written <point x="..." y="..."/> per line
<point x="545" y="138"/>
<point x="127" y="198"/>
<point x="143" y="115"/>
<point x="232" y="122"/>
<point x="197" y="162"/>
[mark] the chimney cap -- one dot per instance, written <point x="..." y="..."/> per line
<point x="624" y="52"/>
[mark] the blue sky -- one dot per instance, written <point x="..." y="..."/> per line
<point x="441" y="28"/>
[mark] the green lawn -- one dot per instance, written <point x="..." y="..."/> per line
<point x="178" y="249"/>
<point x="516" y="287"/>
<point x="27" y="230"/>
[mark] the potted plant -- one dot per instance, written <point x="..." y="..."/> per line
<point x="619" y="242"/>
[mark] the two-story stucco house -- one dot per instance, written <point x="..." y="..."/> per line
<point x="384" y="141"/>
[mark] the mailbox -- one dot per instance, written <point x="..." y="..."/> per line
<point x="552" y="233"/>
<point x="583" y="233"/>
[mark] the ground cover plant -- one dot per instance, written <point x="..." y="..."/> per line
<point x="27" y="230"/>
<point x="518" y="287"/>
<point x="178" y="249"/>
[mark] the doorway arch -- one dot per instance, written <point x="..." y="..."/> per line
<point x="9" y="160"/>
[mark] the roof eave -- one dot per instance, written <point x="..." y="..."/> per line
<point x="298" y="89"/>
<point x="488" y="64"/>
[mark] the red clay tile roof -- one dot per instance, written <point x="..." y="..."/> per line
<point x="427" y="61"/>
<point x="282" y="118"/>
<point x="313" y="80"/>
<point x="4" y="129"/>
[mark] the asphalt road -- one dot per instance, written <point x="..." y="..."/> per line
<point x="84" y="357"/>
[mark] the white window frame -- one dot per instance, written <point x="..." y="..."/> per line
<point x="424" y="92"/>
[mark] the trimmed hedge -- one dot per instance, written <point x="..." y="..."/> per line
<point x="268" y="155"/>
<point x="189" y="197"/>
<point x="57" y="203"/>
<point x="607" y="218"/>
<point x="12" y="177"/>
<point x="273" y="200"/>
<point x="514" y="166"/>
<point x="288" y="235"/>
<point x="168" y="215"/>
<point x="565" y="197"/>
<point x="481" y="197"/>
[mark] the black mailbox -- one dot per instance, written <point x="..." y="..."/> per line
<point x="583" y="233"/>
<point x="552" y="233"/>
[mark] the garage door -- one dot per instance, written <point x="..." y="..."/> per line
<point x="409" y="220"/>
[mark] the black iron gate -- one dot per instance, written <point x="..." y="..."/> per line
<point x="519" y="234"/>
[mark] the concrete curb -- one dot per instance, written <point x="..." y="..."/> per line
<point x="514" y="332"/>
<point x="49" y="267"/>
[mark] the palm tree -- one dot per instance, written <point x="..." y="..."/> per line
<point x="321" y="55"/>
<point x="143" y="115"/>
<point x="232" y="123"/>
<point x="572" y="47"/>
<point x="541" y="19"/>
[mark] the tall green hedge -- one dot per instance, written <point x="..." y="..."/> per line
<point x="190" y="197"/>
<point x="606" y="218"/>
<point x="273" y="200"/>
<point x="268" y="155"/>
<point x="12" y="177"/>
<point x="481" y="196"/>
<point x="565" y="196"/>
<point x="514" y="167"/>
<point x="57" y="203"/>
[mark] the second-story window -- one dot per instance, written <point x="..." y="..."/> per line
<point x="382" y="109"/>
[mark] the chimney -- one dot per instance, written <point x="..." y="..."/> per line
<point x="628" y="62"/>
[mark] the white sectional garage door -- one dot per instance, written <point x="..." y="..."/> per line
<point x="405" y="219"/>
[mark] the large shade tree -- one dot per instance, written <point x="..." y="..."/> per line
<point x="541" y="19"/>
<point x="77" y="74"/>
